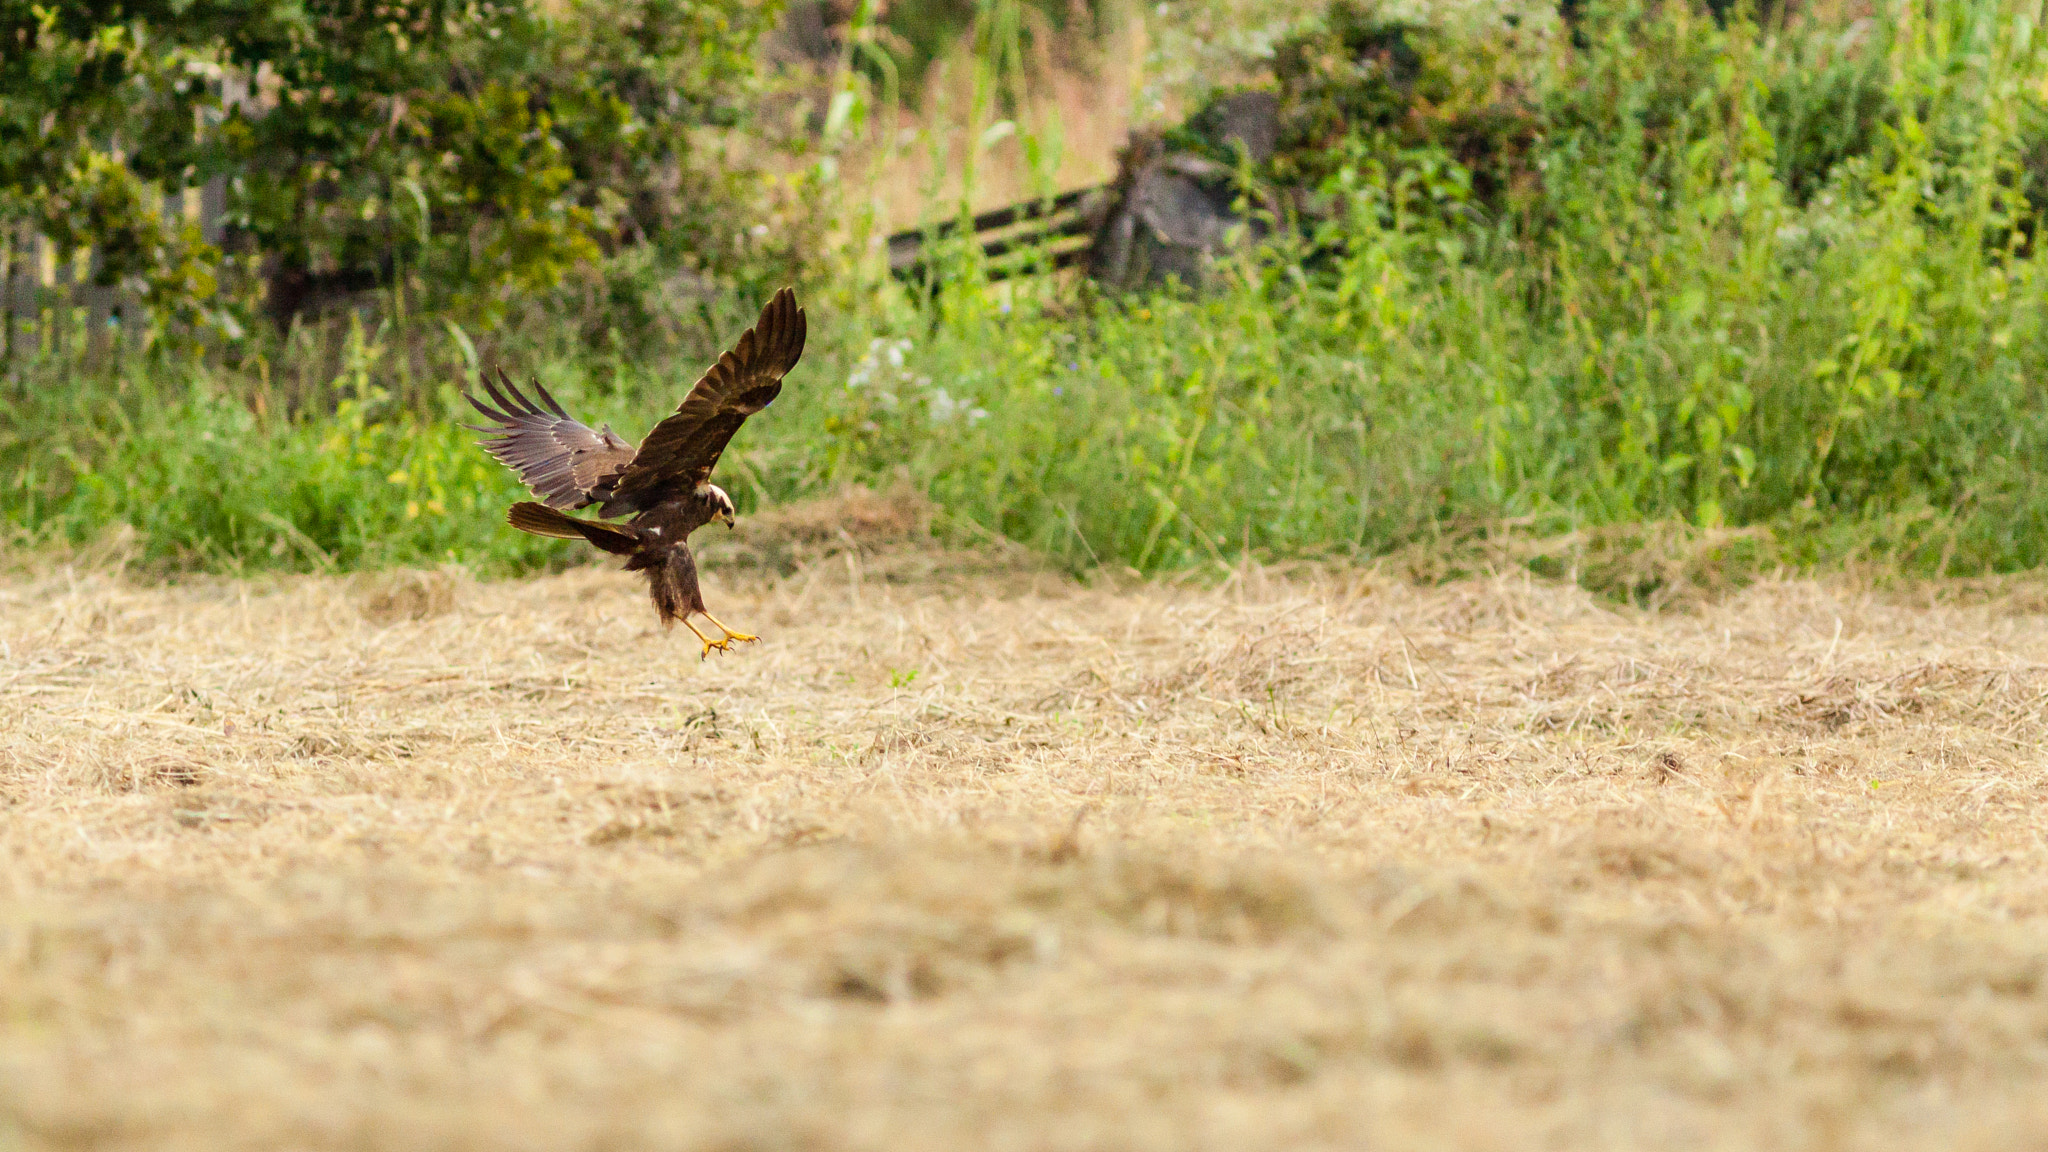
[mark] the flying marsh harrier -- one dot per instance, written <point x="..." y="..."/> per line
<point x="664" y="486"/>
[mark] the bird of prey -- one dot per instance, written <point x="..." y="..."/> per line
<point x="664" y="487"/>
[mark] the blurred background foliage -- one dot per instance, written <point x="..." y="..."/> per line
<point x="465" y="155"/>
<point x="1762" y="279"/>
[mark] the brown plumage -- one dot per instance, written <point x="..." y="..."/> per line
<point x="664" y="485"/>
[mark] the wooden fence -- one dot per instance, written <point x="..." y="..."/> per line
<point x="49" y="302"/>
<point x="1019" y="239"/>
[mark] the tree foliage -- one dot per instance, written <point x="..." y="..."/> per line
<point x="468" y="150"/>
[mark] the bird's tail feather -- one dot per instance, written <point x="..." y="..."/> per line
<point x="541" y="520"/>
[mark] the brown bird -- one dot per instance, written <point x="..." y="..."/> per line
<point x="665" y="485"/>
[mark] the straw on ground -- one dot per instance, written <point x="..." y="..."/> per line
<point x="965" y="857"/>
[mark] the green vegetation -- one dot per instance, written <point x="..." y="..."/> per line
<point x="1781" y="277"/>
<point x="461" y="156"/>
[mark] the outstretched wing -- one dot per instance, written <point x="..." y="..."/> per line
<point x="679" y="454"/>
<point x="565" y="462"/>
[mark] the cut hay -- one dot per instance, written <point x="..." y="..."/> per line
<point x="990" y="860"/>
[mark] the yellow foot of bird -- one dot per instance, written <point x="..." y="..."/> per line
<point x="721" y="644"/>
<point x="730" y="635"/>
<point x="724" y="643"/>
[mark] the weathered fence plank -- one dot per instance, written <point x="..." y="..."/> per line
<point x="42" y="293"/>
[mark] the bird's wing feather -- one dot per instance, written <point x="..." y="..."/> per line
<point x="681" y="451"/>
<point x="566" y="463"/>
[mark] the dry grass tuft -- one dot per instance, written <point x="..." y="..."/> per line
<point x="1659" y="564"/>
<point x="865" y="536"/>
<point x="969" y="856"/>
<point x="405" y="594"/>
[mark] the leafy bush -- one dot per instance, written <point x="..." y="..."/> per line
<point x="468" y="154"/>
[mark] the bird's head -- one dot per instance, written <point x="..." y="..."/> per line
<point x="721" y="505"/>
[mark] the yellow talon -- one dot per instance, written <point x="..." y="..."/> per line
<point x="730" y="635"/>
<point x="721" y="644"/>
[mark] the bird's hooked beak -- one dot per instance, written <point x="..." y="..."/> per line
<point x="727" y="517"/>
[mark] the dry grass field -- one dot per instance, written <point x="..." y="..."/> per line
<point x="967" y="856"/>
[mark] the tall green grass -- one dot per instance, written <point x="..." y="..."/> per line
<point x="1707" y="325"/>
